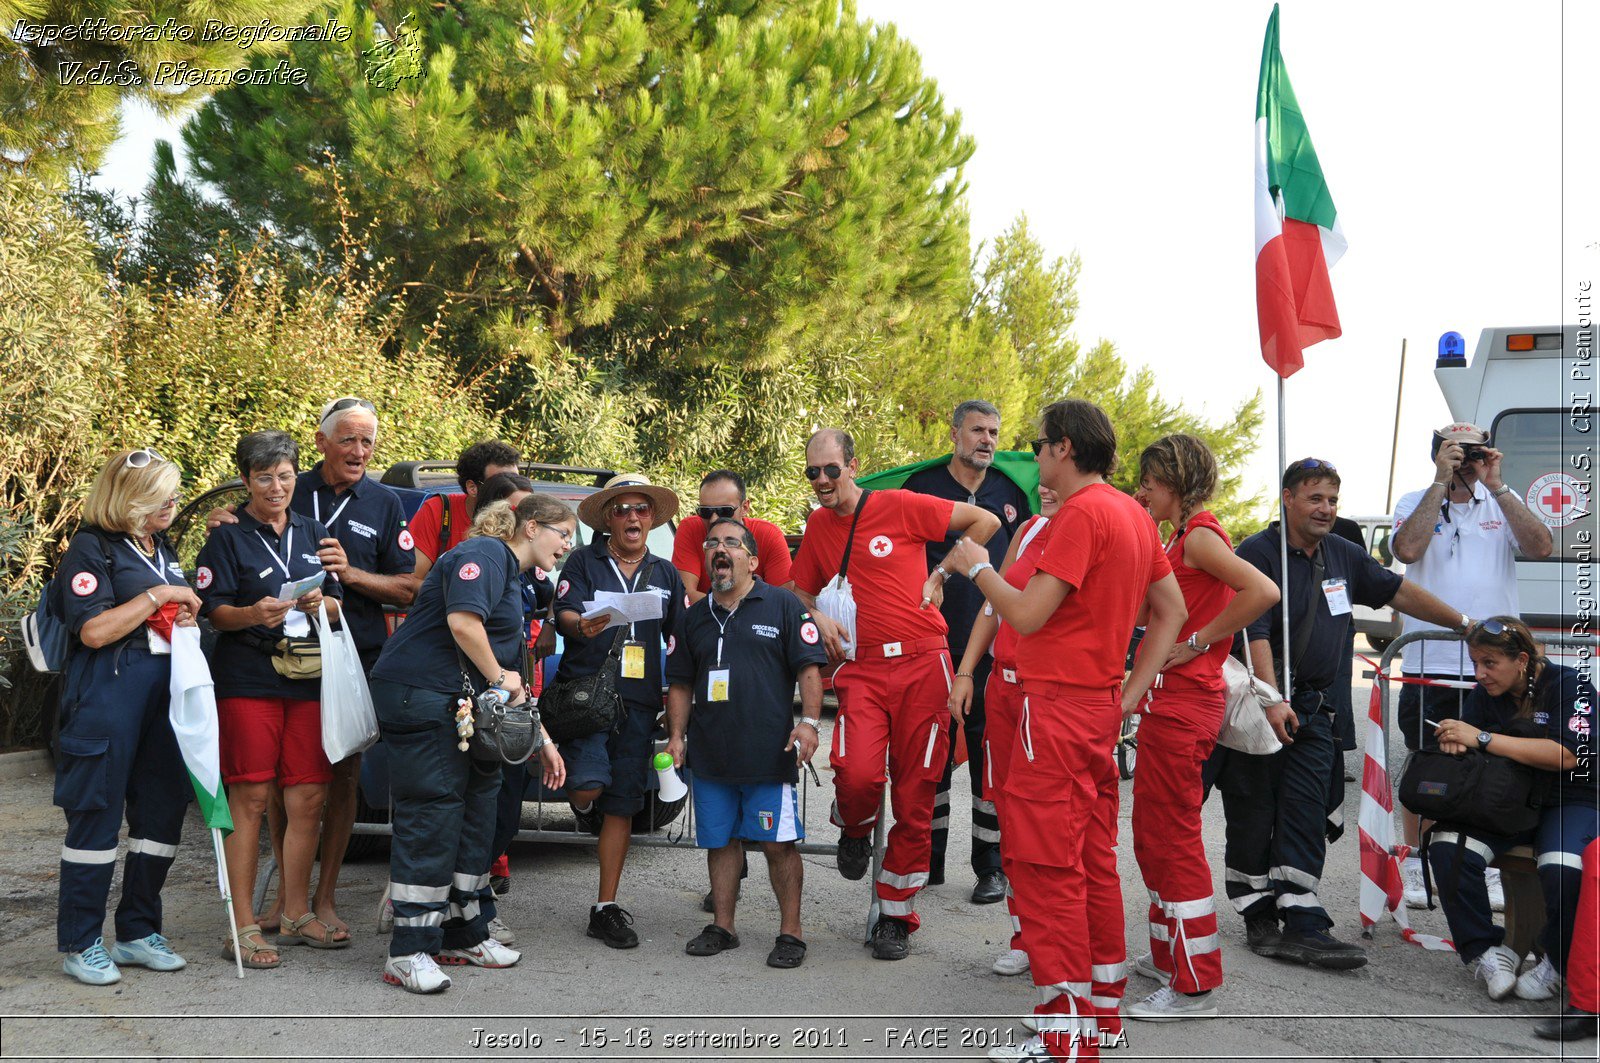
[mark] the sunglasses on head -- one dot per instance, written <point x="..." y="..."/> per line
<point x="832" y="471"/>
<point x="140" y="458"/>
<point x="622" y="509"/>
<point x="1039" y="445"/>
<point x="715" y="512"/>
<point x="1311" y="464"/>
<point x="1490" y="627"/>
<point x="345" y="404"/>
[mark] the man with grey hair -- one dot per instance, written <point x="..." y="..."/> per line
<point x="967" y="477"/>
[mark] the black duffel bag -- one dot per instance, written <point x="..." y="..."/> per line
<point x="1475" y="789"/>
<point x="586" y="705"/>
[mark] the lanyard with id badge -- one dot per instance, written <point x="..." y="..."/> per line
<point x="633" y="649"/>
<point x="158" y="643"/>
<point x="717" y="679"/>
<point x="1337" y="591"/>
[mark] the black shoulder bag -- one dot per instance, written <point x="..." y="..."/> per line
<point x="576" y="708"/>
<point x="500" y="732"/>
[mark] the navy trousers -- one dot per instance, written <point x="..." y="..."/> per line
<point x="985" y="822"/>
<point x="444" y="816"/>
<point x="117" y="754"/>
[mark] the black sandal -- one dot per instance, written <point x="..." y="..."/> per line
<point x="790" y="951"/>
<point x="710" y="941"/>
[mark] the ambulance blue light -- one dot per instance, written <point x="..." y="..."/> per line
<point x="1452" y="352"/>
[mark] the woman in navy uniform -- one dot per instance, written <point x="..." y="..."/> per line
<point x="116" y="747"/>
<point x="467" y="623"/>
<point x="269" y="713"/>
<point x="1537" y="713"/>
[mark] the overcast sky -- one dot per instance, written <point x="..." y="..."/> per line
<point x="1124" y="132"/>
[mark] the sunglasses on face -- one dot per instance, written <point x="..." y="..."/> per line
<point x="715" y="512"/>
<point x="727" y="543"/>
<point x="832" y="471"/>
<point x="140" y="458"/>
<point x="1039" y="445"/>
<point x="622" y="509"/>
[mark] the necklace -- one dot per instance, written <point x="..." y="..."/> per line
<point x="148" y="551"/>
<point x="630" y="560"/>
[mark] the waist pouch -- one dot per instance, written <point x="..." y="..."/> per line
<point x="293" y="656"/>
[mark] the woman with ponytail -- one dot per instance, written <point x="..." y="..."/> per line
<point x="1182" y="714"/>
<point x="1540" y="714"/>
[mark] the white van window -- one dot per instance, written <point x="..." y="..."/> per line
<point x="1537" y="444"/>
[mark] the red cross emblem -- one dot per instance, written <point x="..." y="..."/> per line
<point x="1556" y="499"/>
<point x="84" y="584"/>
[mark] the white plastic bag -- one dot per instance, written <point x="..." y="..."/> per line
<point x="1244" y="722"/>
<point x="838" y="603"/>
<point x="348" y="723"/>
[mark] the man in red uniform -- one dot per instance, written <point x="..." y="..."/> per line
<point x="722" y="497"/>
<point x="893" y="690"/>
<point x="1076" y="615"/>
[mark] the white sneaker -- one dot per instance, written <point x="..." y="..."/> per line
<point x="1497" y="894"/>
<point x="1146" y="965"/>
<point x="1168" y="1005"/>
<point x="1011" y="961"/>
<point x="1497" y="967"/>
<point x="1541" y="983"/>
<point x="416" y="973"/>
<point x="502" y="933"/>
<point x="486" y="953"/>
<point x="1411" y="879"/>
<point x="1030" y="1051"/>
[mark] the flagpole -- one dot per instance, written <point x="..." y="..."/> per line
<point x="227" y="895"/>
<point x="1283" y="547"/>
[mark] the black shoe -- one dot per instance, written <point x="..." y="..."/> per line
<point x="855" y="854"/>
<point x="614" y="926"/>
<point x="890" y="939"/>
<point x="991" y="888"/>
<point x="1573" y="1025"/>
<point x="1317" y="949"/>
<point x="709" y="908"/>
<point x="500" y="884"/>
<point x="1261" y="933"/>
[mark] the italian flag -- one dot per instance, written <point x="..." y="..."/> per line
<point x="1297" y="229"/>
<point x="193" y="714"/>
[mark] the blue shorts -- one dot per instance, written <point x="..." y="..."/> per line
<point x="616" y="762"/>
<point x="754" y="812"/>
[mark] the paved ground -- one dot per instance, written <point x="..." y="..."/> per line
<point x="572" y="999"/>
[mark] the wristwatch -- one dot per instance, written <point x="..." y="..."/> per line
<point x="1483" y="739"/>
<point x="1503" y="489"/>
<point x="815" y="725"/>
<point x="972" y="573"/>
<point x="1194" y="643"/>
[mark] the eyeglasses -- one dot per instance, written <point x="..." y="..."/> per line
<point x="565" y="533"/>
<point x="267" y="479"/>
<point x="832" y="471"/>
<point x="728" y="542"/>
<point x="140" y="458"/>
<point x="1039" y="445"/>
<point x="715" y="512"/>
<point x="622" y="509"/>
<point x="170" y="501"/>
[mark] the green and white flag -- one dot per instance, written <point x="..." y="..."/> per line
<point x="1018" y="466"/>
<point x="194" y="722"/>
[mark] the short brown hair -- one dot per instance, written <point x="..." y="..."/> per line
<point x="1298" y="472"/>
<point x="1094" y="441"/>
<point x="1185" y="466"/>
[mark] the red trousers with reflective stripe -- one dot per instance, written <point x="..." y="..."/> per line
<point x="1583" y="957"/>
<point x="1059" y="819"/>
<point x="1002" y="706"/>
<point x="898" y="706"/>
<point x="1176" y="735"/>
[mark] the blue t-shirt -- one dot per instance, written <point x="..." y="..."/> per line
<point x="88" y="586"/>
<point x="370" y="524"/>
<point x="479" y="577"/>
<point x="1563" y="709"/>
<point x="240" y="565"/>
<point x="591" y="569"/>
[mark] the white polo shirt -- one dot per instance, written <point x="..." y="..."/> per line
<point x="1470" y="564"/>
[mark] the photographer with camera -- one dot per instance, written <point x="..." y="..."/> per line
<point x="1459" y="540"/>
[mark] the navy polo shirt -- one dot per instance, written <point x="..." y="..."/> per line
<point x="590" y="569"/>
<point x="240" y="565"/>
<point x="1563" y="709"/>
<point x="766" y="640"/>
<point x="1000" y="496"/>
<point x="1367" y="583"/>
<point x="88" y="587"/>
<point x="479" y="577"/>
<point x="370" y="524"/>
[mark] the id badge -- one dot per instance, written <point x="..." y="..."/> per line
<point x="717" y="685"/>
<point x="1338" y="596"/>
<point x="158" y="645"/>
<point x="633" y="660"/>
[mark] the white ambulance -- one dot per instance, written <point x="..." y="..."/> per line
<point x="1534" y="390"/>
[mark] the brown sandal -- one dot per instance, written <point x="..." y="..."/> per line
<point x="293" y="933"/>
<point x="252" y="952"/>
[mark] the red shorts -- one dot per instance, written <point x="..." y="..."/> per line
<point x="263" y="739"/>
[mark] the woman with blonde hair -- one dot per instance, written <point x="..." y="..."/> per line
<point x="1182" y="714"/>
<point x="465" y="628"/>
<point x="120" y="590"/>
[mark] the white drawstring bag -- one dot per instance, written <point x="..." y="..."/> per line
<point x="1245" y="727"/>
<point x="837" y="602"/>
<point x="348" y="723"/>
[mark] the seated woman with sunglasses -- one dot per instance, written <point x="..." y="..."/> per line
<point x="610" y="772"/>
<point x="269" y="688"/>
<point x="120" y="590"/>
<point x="1520" y="690"/>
